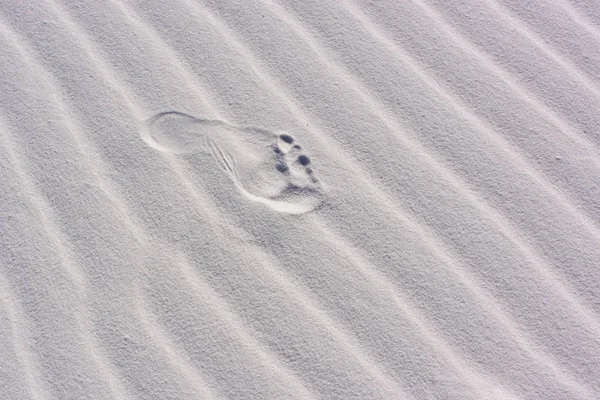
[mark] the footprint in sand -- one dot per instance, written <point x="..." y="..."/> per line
<point x="266" y="167"/>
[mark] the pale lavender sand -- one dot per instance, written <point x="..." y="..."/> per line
<point x="205" y="199"/>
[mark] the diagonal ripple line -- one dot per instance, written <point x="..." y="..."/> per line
<point x="74" y="128"/>
<point x="57" y="239"/>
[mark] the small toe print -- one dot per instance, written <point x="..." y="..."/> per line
<point x="297" y="147"/>
<point x="277" y="150"/>
<point x="303" y="160"/>
<point x="286" y="138"/>
<point x="281" y="168"/>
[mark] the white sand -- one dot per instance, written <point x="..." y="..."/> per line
<point x="354" y="199"/>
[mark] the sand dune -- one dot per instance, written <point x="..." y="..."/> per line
<point x="300" y="199"/>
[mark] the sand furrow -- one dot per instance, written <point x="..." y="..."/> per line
<point x="511" y="80"/>
<point x="585" y="146"/>
<point x="572" y="68"/>
<point x="58" y="243"/>
<point x="580" y="19"/>
<point x="524" y="60"/>
<point x="514" y="155"/>
<point x="28" y="373"/>
<point x="176" y="356"/>
<point x="74" y="129"/>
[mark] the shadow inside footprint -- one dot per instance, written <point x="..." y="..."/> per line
<point x="303" y="160"/>
<point x="264" y="166"/>
<point x="287" y="138"/>
<point x="282" y="168"/>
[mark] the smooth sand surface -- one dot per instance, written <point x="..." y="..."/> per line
<point x="300" y="199"/>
